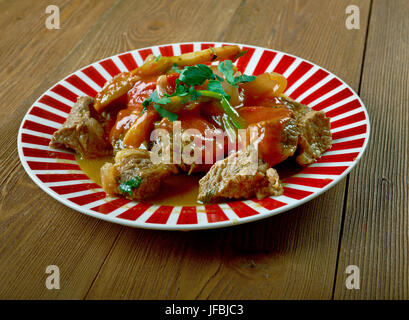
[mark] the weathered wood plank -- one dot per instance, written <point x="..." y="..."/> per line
<point x="30" y="51"/>
<point x="376" y="229"/>
<point x="36" y="231"/>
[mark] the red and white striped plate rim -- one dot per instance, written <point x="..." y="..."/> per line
<point x="58" y="174"/>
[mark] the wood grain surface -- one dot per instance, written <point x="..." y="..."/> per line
<point x="375" y="235"/>
<point x="301" y="254"/>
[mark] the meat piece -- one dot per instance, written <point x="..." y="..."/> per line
<point x="134" y="175"/>
<point x="240" y="175"/>
<point x="82" y="132"/>
<point x="298" y="109"/>
<point x="315" y="132"/>
<point x="315" y="137"/>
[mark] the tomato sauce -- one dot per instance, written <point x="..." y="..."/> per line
<point x="267" y="117"/>
<point x="269" y="124"/>
<point x="133" y="111"/>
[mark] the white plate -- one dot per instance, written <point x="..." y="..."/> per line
<point x="58" y="174"/>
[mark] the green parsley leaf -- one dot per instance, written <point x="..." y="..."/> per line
<point x="180" y="90"/>
<point x="215" y="86"/>
<point x="194" y="94"/>
<point x="228" y="109"/>
<point x="144" y="108"/>
<point x="165" y="113"/>
<point x="175" y="68"/>
<point x="129" y="185"/>
<point x="218" y="78"/>
<point x="146" y="103"/>
<point x="196" y="75"/>
<point x="244" y="78"/>
<point x="226" y="67"/>
<point x="155" y="98"/>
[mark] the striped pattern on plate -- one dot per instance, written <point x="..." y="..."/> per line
<point x="57" y="173"/>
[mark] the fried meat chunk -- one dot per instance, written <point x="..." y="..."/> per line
<point x="134" y="175"/>
<point x="82" y="132"/>
<point x="240" y="175"/>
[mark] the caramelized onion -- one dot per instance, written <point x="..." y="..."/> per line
<point x="265" y="85"/>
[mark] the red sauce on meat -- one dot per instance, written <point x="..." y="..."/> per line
<point x="128" y="116"/>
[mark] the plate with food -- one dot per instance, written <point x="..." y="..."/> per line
<point x="193" y="135"/>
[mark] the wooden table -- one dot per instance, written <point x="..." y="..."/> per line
<point x="301" y="254"/>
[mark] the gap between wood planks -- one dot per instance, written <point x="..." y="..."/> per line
<point x="103" y="262"/>
<point x="347" y="178"/>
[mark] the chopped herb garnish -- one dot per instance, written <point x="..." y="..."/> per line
<point x="181" y="90"/>
<point x="226" y="67"/>
<point x="196" y="75"/>
<point x="155" y="99"/>
<point x="158" y="57"/>
<point x="218" y="78"/>
<point x="129" y="185"/>
<point x="244" y="78"/>
<point x="216" y="86"/>
<point x="238" y="122"/>
<point x="185" y="91"/>
<point x="240" y="54"/>
<point x="175" y="68"/>
<point x="194" y="94"/>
